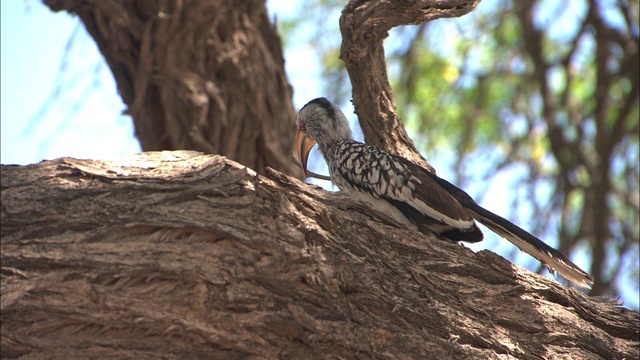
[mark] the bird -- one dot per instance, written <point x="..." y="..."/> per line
<point x="412" y="195"/>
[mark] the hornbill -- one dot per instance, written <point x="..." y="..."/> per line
<point x="413" y="195"/>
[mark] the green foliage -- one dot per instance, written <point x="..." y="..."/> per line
<point x="547" y="88"/>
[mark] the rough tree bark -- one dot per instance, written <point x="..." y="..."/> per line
<point x="181" y="255"/>
<point x="198" y="75"/>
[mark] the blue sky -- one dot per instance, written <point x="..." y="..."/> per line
<point x="96" y="129"/>
<point x="34" y="41"/>
<point x="40" y="37"/>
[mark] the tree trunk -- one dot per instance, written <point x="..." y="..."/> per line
<point x="198" y="75"/>
<point x="180" y="255"/>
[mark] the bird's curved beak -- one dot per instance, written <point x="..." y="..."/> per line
<point x="304" y="144"/>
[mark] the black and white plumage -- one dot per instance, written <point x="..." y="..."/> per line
<point x="411" y="194"/>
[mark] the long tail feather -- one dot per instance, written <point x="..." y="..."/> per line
<point x="548" y="256"/>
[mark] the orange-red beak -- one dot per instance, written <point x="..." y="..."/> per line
<point x="304" y="144"/>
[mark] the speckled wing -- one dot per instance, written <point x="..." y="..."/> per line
<point x="403" y="184"/>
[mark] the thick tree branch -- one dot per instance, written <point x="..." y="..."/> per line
<point x="364" y="26"/>
<point x="193" y="256"/>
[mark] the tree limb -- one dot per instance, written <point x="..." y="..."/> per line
<point x="194" y="256"/>
<point x="364" y="25"/>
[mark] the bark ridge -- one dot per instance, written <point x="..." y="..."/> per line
<point x="187" y="255"/>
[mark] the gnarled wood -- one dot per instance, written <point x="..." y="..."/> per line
<point x="364" y="26"/>
<point x="183" y="255"/>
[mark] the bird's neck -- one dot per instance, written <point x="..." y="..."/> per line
<point x="328" y="150"/>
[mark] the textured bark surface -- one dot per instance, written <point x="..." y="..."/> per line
<point x="364" y="26"/>
<point x="181" y="255"/>
<point x="199" y="75"/>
